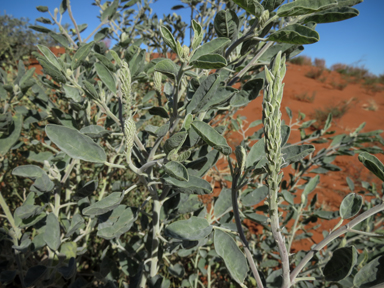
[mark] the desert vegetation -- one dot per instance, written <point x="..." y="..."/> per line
<point x="117" y="168"/>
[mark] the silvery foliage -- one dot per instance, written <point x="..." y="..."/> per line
<point x="107" y="155"/>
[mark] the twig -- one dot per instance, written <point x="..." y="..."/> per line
<point x="346" y="228"/>
<point x="73" y="20"/>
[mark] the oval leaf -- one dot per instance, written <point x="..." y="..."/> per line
<point x="350" y="205"/>
<point x="195" y="185"/>
<point x="333" y="15"/>
<point x="52" y="232"/>
<point x="168" y="38"/>
<point x="193" y="229"/>
<point x="80" y="55"/>
<point x="302" y="7"/>
<point x="8" y="142"/>
<point x="176" y="170"/>
<point x="213" y="46"/>
<point x="226" y="24"/>
<point x="371" y="274"/>
<point x="167" y="67"/>
<point x="254" y="197"/>
<point x="210" y="61"/>
<point x="373" y="164"/>
<point x="211" y="137"/>
<point x="234" y="259"/>
<point x="341" y="264"/>
<point x="105" y="76"/>
<point x="105" y="205"/>
<point x="295" y="34"/>
<point x="29" y="171"/>
<point x="75" y="144"/>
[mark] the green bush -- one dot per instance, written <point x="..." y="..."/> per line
<point x="105" y="157"/>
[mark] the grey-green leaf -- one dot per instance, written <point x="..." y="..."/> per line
<point x="75" y="144"/>
<point x="119" y="222"/>
<point x="253" y="7"/>
<point x="371" y="274"/>
<point x="198" y="34"/>
<point x="213" y="46"/>
<point x="94" y="131"/>
<point x="350" y="205"/>
<point x="257" y="152"/>
<point x="193" y="229"/>
<point x="210" y="61"/>
<point x="203" y="94"/>
<point x="302" y="7"/>
<point x="341" y="264"/>
<point x="104" y="205"/>
<point x="224" y="203"/>
<point x="295" y="34"/>
<point x="176" y="170"/>
<point x="29" y="171"/>
<point x="106" y="77"/>
<point x="295" y="153"/>
<point x="211" y="137"/>
<point x="72" y="93"/>
<point x="226" y="24"/>
<point x="373" y="164"/>
<point x="26" y="211"/>
<point x="195" y="185"/>
<point x="52" y="232"/>
<point x="8" y="142"/>
<point x="234" y="259"/>
<point x="110" y="11"/>
<point x="167" y="67"/>
<point x="311" y="185"/>
<point x="332" y="15"/>
<point x="80" y="55"/>
<point x="168" y="38"/>
<point x="255" y="196"/>
<point x="50" y="56"/>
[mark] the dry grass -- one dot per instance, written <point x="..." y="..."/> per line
<point x="301" y="60"/>
<point x="304" y="97"/>
<point x="371" y="105"/>
<point x="337" y="112"/>
<point x="339" y="86"/>
<point x="314" y="73"/>
<point x="319" y="63"/>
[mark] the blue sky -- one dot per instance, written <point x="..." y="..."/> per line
<point x="357" y="41"/>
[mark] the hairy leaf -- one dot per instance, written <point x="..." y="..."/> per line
<point x="234" y="259"/>
<point x="194" y="228"/>
<point x="295" y="34"/>
<point x="341" y="264"/>
<point x="75" y="144"/>
<point x="302" y="7"/>
<point x="211" y="137"/>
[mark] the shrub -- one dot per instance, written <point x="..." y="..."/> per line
<point x="339" y="85"/>
<point x="301" y="60"/>
<point x="108" y="155"/>
<point x="304" y="97"/>
<point x="314" y="73"/>
<point x="319" y="63"/>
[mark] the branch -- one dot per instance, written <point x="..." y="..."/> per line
<point x="346" y="228"/>
<point x="73" y="20"/>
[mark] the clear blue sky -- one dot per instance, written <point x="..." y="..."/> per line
<point x="359" y="40"/>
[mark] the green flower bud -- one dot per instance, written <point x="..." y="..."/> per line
<point x="130" y="132"/>
<point x="157" y="79"/>
<point x="125" y="81"/>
